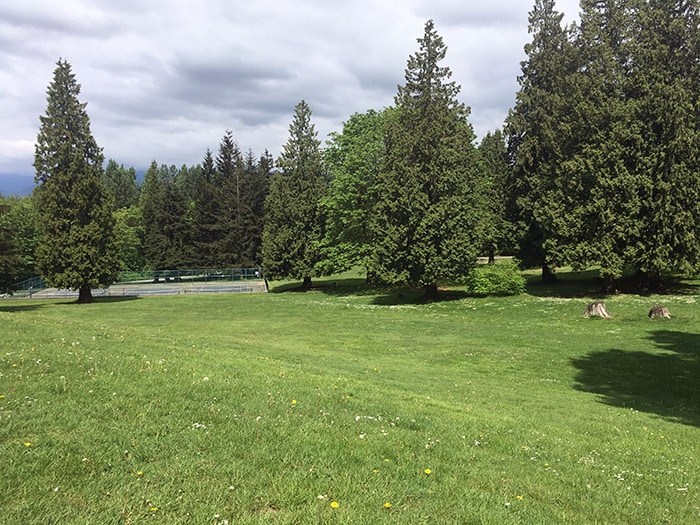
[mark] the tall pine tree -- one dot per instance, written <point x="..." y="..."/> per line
<point x="76" y="226"/>
<point x="535" y="129"/>
<point x="293" y="222"/>
<point x="428" y="226"/>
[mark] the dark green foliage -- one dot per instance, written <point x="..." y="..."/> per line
<point x="167" y="239"/>
<point x="120" y="184"/>
<point x="74" y="215"/>
<point x="254" y="190"/>
<point x="354" y="159"/>
<point x="229" y="177"/>
<point x="9" y="260"/>
<point x="208" y="224"/>
<point x="19" y="238"/>
<point x="628" y="185"/>
<point x="500" y="235"/>
<point x="293" y="221"/>
<point x="428" y="225"/>
<point x="536" y="130"/>
<point x="501" y="278"/>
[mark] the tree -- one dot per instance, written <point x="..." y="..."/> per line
<point x="500" y="232"/>
<point x="9" y="261"/>
<point x="167" y="240"/>
<point x="293" y="221"/>
<point x="230" y="174"/>
<point x="208" y="224"/>
<point x="120" y="184"/>
<point x="256" y="180"/>
<point x="18" y="222"/>
<point x="428" y="225"/>
<point x="354" y="159"/>
<point x="129" y="232"/>
<point x="76" y="226"/>
<point x="536" y="132"/>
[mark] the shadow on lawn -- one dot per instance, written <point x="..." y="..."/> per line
<point x="665" y="383"/>
<point x="24" y="307"/>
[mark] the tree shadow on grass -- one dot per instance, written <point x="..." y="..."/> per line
<point x="666" y="383"/>
<point x="23" y="307"/>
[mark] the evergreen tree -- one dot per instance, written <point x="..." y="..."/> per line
<point x="500" y="232"/>
<point x="230" y="172"/>
<point x="208" y="222"/>
<point x="75" y="221"/>
<point x="9" y="260"/>
<point x="167" y="238"/>
<point x="254" y="190"/>
<point x="120" y="184"/>
<point x="18" y="221"/>
<point x="536" y="130"/>
<point x="293" y="222"/>
<point x="666" y="86"/>
<point x="354" y="159"/>
<point x="428" y="217"/>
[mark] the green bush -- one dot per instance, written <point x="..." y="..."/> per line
<point x="502" y="278"/>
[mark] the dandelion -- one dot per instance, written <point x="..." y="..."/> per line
<point x="335" y="504"/>
<point x="153" y="509"/>
<point x="387" y="504"/>
<point x="519" y="497"/>
<point x="27" y="444"/>
<point x="427" y="472"/>
<point x="2" y="396"/>
<point x="140" y="473"/>
<point x="294" y="402"/>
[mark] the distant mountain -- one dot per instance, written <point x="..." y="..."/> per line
<point x="16" y="184"/>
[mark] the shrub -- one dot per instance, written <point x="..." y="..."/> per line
<point x="502" y="278"/>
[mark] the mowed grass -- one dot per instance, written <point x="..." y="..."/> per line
<point x="346" y="405"/>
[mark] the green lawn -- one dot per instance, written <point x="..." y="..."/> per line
<point x="268" y="408"/>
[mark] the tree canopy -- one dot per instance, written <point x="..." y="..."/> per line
<point x="75" y="222"/>
<point x="428" y="219"/>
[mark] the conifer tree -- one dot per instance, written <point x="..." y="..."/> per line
<point x="293" y="222"/>
<point x="76" y="226"/>
<point x="500" y="232"/>
<point x="208" y="223"/>
<point x="536" y="131"/>
<point x="230" y="173"/>
<point x="120" y="184"/>
<point x="428" y="224"/>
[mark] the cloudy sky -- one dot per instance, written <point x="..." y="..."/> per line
<point x="164" y="79"/>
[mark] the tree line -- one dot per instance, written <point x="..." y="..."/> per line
<point x="596" y="166"/>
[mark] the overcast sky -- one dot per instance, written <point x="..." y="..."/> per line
<point x="164" y="79"/>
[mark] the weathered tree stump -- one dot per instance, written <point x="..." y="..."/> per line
<point x="659" y="312"/>
<point x="597" y="309"/>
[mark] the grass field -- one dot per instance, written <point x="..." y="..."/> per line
<point x="347" y="405"/>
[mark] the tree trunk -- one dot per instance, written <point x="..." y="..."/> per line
<point x="307" y="284"/>
<point x="85" y="294"/>
<point x="430" y="292"/>
<point x="548" y="276"/>
<point x="609" y="285"/>
<point x="492" y="255"/>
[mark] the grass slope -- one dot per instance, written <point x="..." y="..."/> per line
<point x="279" y="408"/>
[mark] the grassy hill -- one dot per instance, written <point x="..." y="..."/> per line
<point x="349" y="405"/>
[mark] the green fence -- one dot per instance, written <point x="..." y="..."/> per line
<point x="202" y="275"/>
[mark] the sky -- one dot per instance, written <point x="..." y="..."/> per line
<point x="165" y="79"/>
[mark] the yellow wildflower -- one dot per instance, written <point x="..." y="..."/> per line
<point x="428" y="472"/>
<point x="27" y="443"/>
<point x="335" y="504"/>
<point x="387" y="505"/>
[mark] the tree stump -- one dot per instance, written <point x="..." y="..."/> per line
<point x="659" y="312"/>
<point x="597" y="309"/>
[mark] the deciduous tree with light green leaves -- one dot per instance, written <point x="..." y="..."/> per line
<point x="75" y="222"/>
<point x="354" y="159"/>
<point x="293" y="222"/>
<point x="428" y="225"/>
